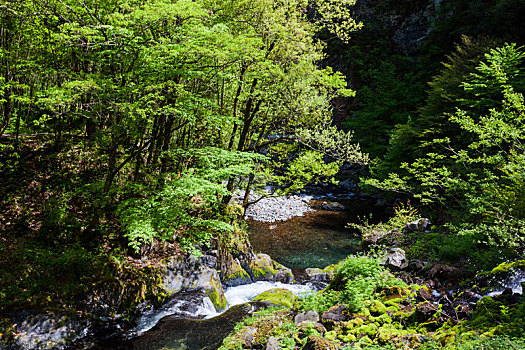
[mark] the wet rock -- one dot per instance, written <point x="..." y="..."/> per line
<point x="283" y="277"/>
<point x="395" y="259"/>
<point x="332" y="206"/>
<point x="307" y="316"/>
<point x="47" y="330"/>
<point x="189" y="273"/>
<point x="277" y="297"/>
<point x="260" y="268"/>
<point x="335" y="315"/>
<point x="234" y="275"/>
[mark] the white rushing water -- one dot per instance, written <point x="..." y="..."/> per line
<point x="193" y="305"/>
<point x="245" y="293"/>
<point x="513" y="281"/>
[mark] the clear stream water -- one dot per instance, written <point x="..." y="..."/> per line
<point x="317" y="239"/>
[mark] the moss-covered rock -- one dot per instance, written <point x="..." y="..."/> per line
<point x="234" y="275"/>
<point x="318" y="343"/>
<point x="508" y="267"/>
<point x="377" y="308"/>
<point x="354" y="323"/>
<point x="261" y="268"/>
<point x="277" y="297"/>
<point x="366" y="329"/>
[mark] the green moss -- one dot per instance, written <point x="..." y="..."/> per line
<point x="347" y="338"/>
<point x="384" y="319"/>
<point x="277" y="297"/>
<point x="366" y="329"/>
<point x="237" y="273"/>
<point x="330" y="335"/>
<point x="377" y="308"/>
<point x="356" y="322"/>
<point x="508" y="266"/>
<point x="384" y="334"/>
<point x="218" y="300"/>
<point x="393" y="308"/>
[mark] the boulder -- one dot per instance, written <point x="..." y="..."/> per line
<point x="417" y="225"/>
<point x="415" y="265"/>
<point x="260" y="268"/>
<point x="282" y="273"/>
<point x="319" y="343"/>
<point x="277" y="297"/>
<point x="319" y="275"/>
<point x="307" y="316"/>
<point x="189" y="273"/>
<point x="247" y="336"/>
<point x="234" y="275"/>
<point x="272" y="344"/>
<point x="335" y="315"/>
<point x="332" y="206"/>
<point x="395" y="259"/>
<point x="304" y="329"/>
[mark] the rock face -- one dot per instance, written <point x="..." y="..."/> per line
<point x="190" y="273"/>
<point x="47" y="330"/>
<point x="408" y="22"/>
<point x="251" y="268"/>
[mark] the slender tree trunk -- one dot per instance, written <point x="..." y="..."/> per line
<point x="168" y="132"/>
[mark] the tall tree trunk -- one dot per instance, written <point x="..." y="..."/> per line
<point x="168" y="132"/>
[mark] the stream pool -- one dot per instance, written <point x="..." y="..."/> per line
<point x="317" y="239"/>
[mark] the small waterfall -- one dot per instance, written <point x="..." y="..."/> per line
<point x="512" y="281"/>
<point x="197" y="305"/>
<point x="245" y="293"/>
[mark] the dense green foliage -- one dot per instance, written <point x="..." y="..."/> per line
<point x="356" y="282"/>
<point x="478" y="182"/>
<point x="169" y="100"/>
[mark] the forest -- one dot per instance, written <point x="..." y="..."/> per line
<point x="137" y="136"/>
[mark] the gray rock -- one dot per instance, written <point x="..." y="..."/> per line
<point x="283" y="277"/>
<point x="395" y="259"/>
<point x="247" y="336"/>
<point x="318" y="275"/>
<point x="307" y="316"/>
<point x="417" y="225"/>
<point x="272" y="344"/>
<point x="332" y="206"/>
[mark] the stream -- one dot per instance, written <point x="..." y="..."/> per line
<point x="316" y="239"/>
<point x="190" y="321"/>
